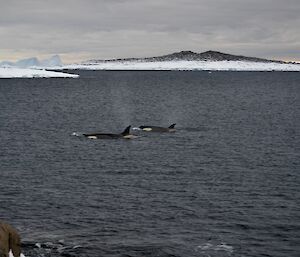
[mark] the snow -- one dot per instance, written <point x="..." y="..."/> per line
<point x="33" y="73"/>
<point x="11" y="254"/>
<point x="187" y="65"/>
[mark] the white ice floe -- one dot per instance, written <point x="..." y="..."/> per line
<point x="187" y="65"/>
<point x="33" y="73"/>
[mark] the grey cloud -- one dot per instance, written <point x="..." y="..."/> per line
<point x="122" y="28"/>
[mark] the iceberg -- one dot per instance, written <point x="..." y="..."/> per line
<point x="10" y="72"/>
<point x="34" y="62"/>
<point x="29" y="62"/>
<point x="53" y="61"/>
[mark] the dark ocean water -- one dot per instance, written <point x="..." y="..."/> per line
<point x="225" y="184"/>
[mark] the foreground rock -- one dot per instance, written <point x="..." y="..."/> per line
<point x="9" y="240"/>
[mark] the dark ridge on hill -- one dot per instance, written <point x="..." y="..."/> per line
<point x="192" y="56"/>
<point x="206" y="56"/>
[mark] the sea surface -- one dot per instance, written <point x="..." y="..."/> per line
<point x="226" y="183"/>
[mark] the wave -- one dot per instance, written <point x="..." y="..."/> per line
<point x="209" y="247"/>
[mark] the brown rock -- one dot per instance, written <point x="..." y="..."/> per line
<point x="9" y="240"/>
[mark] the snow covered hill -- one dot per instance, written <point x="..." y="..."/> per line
<point x="188" y="60"/>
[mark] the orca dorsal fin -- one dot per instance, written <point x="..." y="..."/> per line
<point x="126" y="131"/>
<point x="172" y="126"/>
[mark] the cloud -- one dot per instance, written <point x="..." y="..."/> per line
<point x="122" y="28"/>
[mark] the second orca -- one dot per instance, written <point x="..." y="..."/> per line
<point x="158" y="129"/>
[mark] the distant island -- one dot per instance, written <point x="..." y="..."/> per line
<point x="184" y="60"/>
<point x="192" y="56"/>
<point x="188" y="60"/>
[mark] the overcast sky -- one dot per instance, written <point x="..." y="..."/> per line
<point x="84" y="29"/>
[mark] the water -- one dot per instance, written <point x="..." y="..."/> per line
<point x="225" y="184"/>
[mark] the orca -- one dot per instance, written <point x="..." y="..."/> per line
<point x="125" y="135"/>
<point x="158" y="129"/>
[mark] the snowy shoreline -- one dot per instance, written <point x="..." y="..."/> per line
<point x="10" y="72"/>
<point x="179" y="65"/>
<point x="185" y="65"/>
